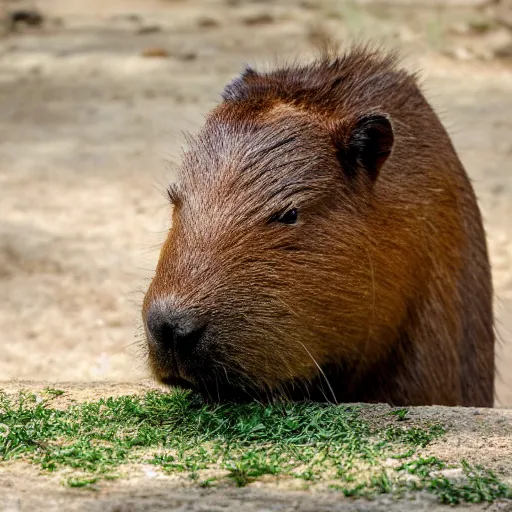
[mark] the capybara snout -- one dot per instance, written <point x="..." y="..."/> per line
<point x="174" y="329"/>
<point x="326" y="244"/>
<point x="176" y="336"/>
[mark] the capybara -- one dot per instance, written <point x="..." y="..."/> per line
<point x="326" y="244"/>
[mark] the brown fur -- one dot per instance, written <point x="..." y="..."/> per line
<point x="381" y="291"/>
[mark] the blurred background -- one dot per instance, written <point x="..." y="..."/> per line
<point x="94" y="95"/>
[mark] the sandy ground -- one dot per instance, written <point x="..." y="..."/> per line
<point x="90" y="130"/>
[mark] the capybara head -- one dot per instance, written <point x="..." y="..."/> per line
<point x="265" y="276"/>
<point x="315" y="227"/>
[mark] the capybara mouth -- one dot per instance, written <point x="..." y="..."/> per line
<point x="216" y="385"/>
<point x="216" y="392"/>
<point x="241" y="389"/>
<point x="175" y="372"/>
<point x="176" y="382"/>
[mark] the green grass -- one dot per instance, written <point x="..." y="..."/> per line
<point x="177" y="433"/>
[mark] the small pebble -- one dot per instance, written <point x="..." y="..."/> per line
<point x="155" y="52"/>
<point x="258" y="19"/>
<point x="149" y="29"/>
<point x="207" y="22"/>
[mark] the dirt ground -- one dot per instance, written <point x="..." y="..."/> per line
<point x="90" y="130"/>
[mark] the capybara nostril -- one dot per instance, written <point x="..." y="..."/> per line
<point x="177" y="330"/>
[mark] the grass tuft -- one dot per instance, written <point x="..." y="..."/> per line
<point x="178" y="433"/>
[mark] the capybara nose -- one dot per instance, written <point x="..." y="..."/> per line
<point x="179" y="330"/>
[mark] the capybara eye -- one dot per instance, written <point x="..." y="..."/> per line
<point x="288" y="217"/>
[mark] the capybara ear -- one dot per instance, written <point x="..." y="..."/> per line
<point x="237" y="88"/>
<point x="364" y="144"/>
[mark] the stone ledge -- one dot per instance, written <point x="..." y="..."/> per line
<point x="480" y="436"/>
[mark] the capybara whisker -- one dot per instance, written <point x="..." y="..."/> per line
<point x="322" y="373"/>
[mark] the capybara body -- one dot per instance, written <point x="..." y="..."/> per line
<point x="326" y="244"/>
